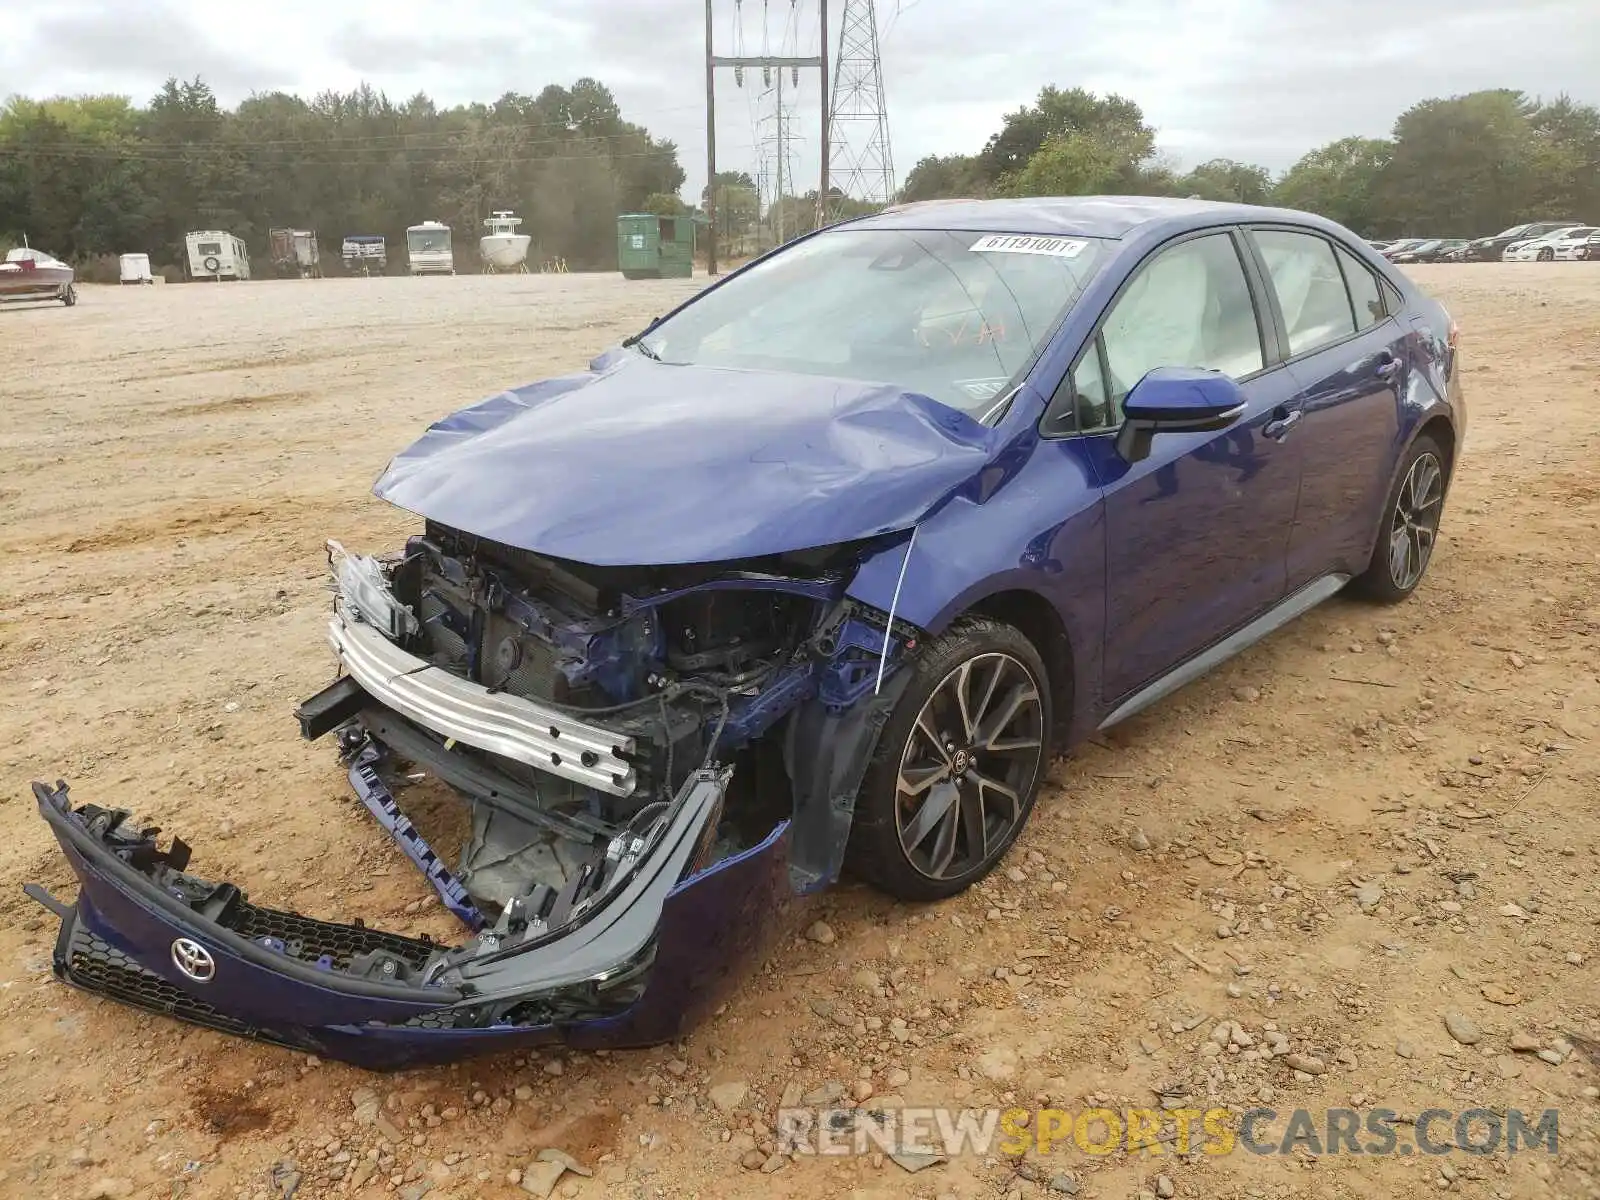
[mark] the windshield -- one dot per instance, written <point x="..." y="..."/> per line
<point x="1514" y="231"/>
<point x="429" y="239"/>
<point x="954" y="315"/>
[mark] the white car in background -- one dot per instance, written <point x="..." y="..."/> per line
<point x="1552" y="246"/>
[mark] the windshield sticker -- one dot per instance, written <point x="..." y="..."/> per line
<point x="1018" y="243"/>
<point x="981" y="389"/>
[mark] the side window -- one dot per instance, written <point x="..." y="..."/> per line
<point x="1089" y="392"/>
<point x="1311" y="292"/>
<point x="1190" y="306"/>
<point x="1365" y="297"/>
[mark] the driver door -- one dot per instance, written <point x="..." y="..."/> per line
<point x="1198" y="531"/>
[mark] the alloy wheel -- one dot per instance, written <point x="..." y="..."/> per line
<point x="969" y="764"/>
<point x="1416" y="522"/>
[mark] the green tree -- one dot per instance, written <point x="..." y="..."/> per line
<point x="1225" y="179"/>
<point x="1463" y="166"/>
<point x="938" y="178"/>
<point x="1339" y="181"/>
<point x="1114" y="121"/>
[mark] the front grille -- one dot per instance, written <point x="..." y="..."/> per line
<point x="311" y="941"/>
<point x="97" y="966"/>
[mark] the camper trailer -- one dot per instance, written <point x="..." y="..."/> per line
<point x="214" y="254"/>
<point x="428" y="247"/>
<point x="135" y="268"/>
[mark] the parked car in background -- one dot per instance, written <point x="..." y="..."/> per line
<point x="1542" y="249"/>
<point x="1400" y="247"/>
<point x="1590" y="252"/>
<point x="1573" y="245"/>
<point x="1436" y="250"/>
<point x="828" y="564"/>
<point x="1490" y="249"/>
<point x="1380" y="244"/>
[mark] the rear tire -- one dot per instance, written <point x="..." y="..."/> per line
<point x="1410" y="528"/>
<point x="958" y="765"/>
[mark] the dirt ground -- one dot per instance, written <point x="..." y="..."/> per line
<point x="1378" y="818"/>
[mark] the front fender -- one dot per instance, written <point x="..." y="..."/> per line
<point x="1042" y="533"/>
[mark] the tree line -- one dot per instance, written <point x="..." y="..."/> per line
<point x="99" y="175"/>
<point x="1461" y="166"/>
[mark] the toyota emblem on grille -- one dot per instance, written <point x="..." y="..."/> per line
<point x="194" y="960"/>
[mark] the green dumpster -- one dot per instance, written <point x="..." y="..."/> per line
<point x="652" y="247"/>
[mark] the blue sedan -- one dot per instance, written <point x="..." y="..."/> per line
<point x="816" y="573"/>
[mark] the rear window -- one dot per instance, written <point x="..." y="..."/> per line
<point x="1365" y="296"/>
<point x="209" y="248"/>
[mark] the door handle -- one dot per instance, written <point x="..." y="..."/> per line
<point x="1388" y="366"/>
<point x="1278" y="428"/>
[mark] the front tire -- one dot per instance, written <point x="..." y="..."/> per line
<point x="1410" y="526"/>
<point x="958" y="765"/>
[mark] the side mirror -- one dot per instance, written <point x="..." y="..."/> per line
<point x="1176" y="400"/>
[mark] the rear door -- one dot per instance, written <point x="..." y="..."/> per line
<point x="1196" y="533"/>
<point x="1348" y="353"/>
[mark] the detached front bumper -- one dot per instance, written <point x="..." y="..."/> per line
<point x="146" y="933"/>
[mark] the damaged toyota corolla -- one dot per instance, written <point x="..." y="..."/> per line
<point x="818" y="570"/>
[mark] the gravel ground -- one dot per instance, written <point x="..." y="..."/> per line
<point x="1354" y="867"/>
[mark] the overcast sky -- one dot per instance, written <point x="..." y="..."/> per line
<point x="1259" y="80"/>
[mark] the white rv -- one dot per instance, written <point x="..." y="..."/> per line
<point x="216" y="255"/>
<point x="428" y="247"/>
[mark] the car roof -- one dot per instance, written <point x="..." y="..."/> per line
<point x="1079" y="216"/>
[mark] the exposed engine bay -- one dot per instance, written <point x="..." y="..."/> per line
<point x="570" y="706"/>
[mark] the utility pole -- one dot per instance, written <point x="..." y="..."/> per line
<point x="780" y="63"/>
<point x="711" y="150"/>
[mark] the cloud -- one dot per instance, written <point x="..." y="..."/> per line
<point x="1260" y="80"/>
<point x="116" y="47"/>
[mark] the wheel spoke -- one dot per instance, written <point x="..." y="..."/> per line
<point x="1012" y="745"/>
<point x="975" y="823"/>
<point x="1400" y="555"/>
<point x="961" y="684"/>
<point x="916" y="780"/>
<point x="994" y="725"/>
<point x="988" y="692"/>
<point x="1429" y="489"/>
<point x="944" y="845"/>
<point x="926" y="729"/>
<point x="987" y="783"/>
<point x="939" y="804"/>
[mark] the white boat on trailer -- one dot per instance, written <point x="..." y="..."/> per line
<point x="29" y="274"/>
<point x="503" y="248"/>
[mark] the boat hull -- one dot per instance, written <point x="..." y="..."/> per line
<point x="23" y="282"/>
<point x="504" y="250"/>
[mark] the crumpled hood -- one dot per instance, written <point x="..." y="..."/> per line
<point x="637" y="463"/>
